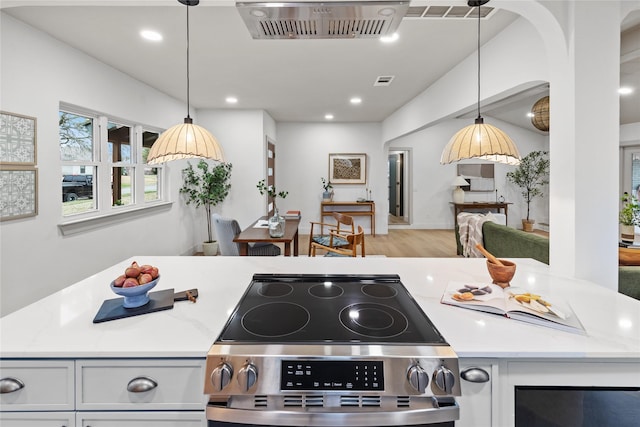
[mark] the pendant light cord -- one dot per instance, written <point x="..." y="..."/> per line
<point x="188" y="103"/>
<point x="479" y="116"/>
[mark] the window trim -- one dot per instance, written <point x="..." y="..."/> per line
<point x="104" y="213"/>
<point x="81" y="225"/>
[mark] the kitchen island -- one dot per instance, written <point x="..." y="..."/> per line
<point x="80" y="361"/>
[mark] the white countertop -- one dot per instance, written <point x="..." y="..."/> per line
<point x="60" y="326"/>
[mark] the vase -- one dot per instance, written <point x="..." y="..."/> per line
<point x="327" y="196"/>
<point x="627" y="234"/>
<point x="276" y="224"/>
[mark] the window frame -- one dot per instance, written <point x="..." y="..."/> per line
<point x="104" y="211"/>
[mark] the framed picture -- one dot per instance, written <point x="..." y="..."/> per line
<point x="17" y="139"/>
<point x="347" y="168"/>
<point x="18" y="193"/>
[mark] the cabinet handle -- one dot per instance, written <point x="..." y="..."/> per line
<point x="141" y="384"/>
<point x="475" y="375"/>
<point x="9" y="385"/>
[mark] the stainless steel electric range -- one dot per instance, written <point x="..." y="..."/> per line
<point x="330" y="350"/>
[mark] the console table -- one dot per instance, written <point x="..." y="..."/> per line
<point x="367" y="208"/>
<point x="461" y="207"/>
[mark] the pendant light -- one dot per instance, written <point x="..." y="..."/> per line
<point x="185" y="140"/>
<point x="480" y="140"/>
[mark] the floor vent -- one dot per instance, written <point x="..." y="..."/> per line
<point x="383" y="80"/>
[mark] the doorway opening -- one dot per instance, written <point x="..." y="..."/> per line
<point x="399" y="186"/>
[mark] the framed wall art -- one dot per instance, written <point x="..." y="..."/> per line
<point x="17" y="139"/>
<point x="347" y="168"/>
<point x="18" y="193"/>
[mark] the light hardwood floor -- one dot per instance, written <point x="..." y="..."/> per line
<point x="404" y="243"/>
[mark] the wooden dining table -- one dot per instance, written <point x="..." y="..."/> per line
<point x="253" y="234"/>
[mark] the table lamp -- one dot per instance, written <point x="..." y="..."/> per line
<point x="458" y="193"/>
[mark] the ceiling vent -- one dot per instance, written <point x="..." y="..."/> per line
<point x="340" y="20"/>
<point x="438" y="12"/>
<point x="383" y="80"/>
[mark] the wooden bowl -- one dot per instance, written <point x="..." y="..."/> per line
<point x="501" y="275"/>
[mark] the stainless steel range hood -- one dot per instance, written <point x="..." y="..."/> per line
<point x="340" y="20"/>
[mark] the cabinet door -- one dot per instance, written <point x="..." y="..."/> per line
<point x="141" y="419"/>
<point x="475" y="402"/>
<point x="37" y="419"/>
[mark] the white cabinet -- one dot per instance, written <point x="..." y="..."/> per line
<point x="145" y="384"/>
<point x="141" y="419"/>
<point x="37" y="419"/>
<point x="33" y="389"/>
<point x="476" y="399"/>
<point x="37" y="385"/>
<point x="161" y="392"/>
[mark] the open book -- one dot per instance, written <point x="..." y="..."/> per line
<point x="514" y="303"/>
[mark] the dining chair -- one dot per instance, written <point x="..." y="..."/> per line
<point x="227" y="229"/>
<point x="343" y="225"/>
<point x="349" y="250"/>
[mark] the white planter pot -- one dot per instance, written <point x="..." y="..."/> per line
<point x="210" y="248"/>
<point x="627" y="233"/>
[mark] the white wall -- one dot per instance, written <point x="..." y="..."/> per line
<point x="303" y="158"/>
<point x="432" y="181"/>
<point x="241" y="134"/>
<point x="37" y="73"/>
<point x="456" y="92"/>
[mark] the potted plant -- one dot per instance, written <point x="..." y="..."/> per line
<point x="629" y="217"/>
<point x="276" y="222"/>
<point x="531" y="175"/>
<point x="207" y="187"/>
<point x="327" y="195"/>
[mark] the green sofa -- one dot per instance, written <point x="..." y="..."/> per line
<point x="506" y="242"/>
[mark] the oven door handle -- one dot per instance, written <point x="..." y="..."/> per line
<point x="440" y="411"/>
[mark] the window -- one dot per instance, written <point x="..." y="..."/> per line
<point x="104" y="166"/>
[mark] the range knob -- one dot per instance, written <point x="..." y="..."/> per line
<point x="444" y="379"/>
<point x="418" y="378"/>
<point x="247" y="376"/>
<point x="221" y="376"/>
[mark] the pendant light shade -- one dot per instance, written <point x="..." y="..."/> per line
<point x="185" y="140"/>
<point x="540" y="114"/>
<point x="480" y="140"/>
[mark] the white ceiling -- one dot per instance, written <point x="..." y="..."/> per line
<point x="294" y="80"/>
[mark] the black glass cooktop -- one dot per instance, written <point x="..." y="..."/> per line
<point x="328" y="308"/>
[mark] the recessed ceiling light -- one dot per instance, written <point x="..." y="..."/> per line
<point x="151" y="35"/>
<point x="389" y="39"/>
<point x="231" y="100"/>
<point x="356" y="100"/>
<point x="625" y="90"/>
<point x="328" y="116"/>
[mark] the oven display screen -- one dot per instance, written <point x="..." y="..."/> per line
<point x="331" y="375"/>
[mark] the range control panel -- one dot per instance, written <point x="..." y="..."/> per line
<point x="331" y="375"/>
